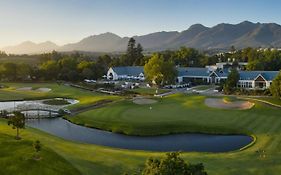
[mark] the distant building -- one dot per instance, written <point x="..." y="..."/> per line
<point x="223" y="65"/>
<point x="256" y="79"/>
<point x="209" y="75"/>
<point x="126" y="73"/>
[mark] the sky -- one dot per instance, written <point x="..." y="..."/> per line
<point x="65" y="21"/>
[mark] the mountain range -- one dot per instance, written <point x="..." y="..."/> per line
<point x="221" y="36"/>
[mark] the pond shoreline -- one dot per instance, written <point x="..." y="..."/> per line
<point x="230" y="133"/>
<point x="190" y="142"/>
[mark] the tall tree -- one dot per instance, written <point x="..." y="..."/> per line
<point x="158" y="71"/>
<point x="153" y="69"/>
<point x="275" y="87"/>
<point x="139" y="55"/>
<point x="18" y="122"/>
<point x="24" y="71"/>
<point x="231" y="81"/>
<point x="187" y="57"/>
<point x="10" y="71"/>
<point x="131" y="51"/>
<point x="172" y="164"/>
<point x="49" y="70"/>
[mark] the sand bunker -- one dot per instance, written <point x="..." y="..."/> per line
<point x="25" y="89"/>
<point x="35" y="90"/>
<point x="221" y="104"/>
<point x="43" y="89"/>
<point x="143" y="101"/>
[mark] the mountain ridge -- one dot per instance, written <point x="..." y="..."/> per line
<point x="220" y="36"/>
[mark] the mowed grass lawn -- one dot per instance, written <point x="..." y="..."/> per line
<point x="270" y="100"/>
<point x="76" y="158"/>
<point x="176" y="113"/>
<point x="185" y="113"/>
<point x="17" y="157"/>
<point x="60" y="156"/>
<point x="148" y="91"/>
<point x="173" y="114"/>
<point x="11" y="92"/>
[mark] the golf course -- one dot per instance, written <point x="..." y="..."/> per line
<point x="142" y="116"/>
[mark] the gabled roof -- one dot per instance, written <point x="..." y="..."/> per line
<point x="128" y="70"/>
<point x="193" y="71"/>
<point x="252" y="75"/>
<point x="270" y="75"/>
<point x="213" y="73"/>
<point x="222" y="72"/>
<point x="258" y="78"/>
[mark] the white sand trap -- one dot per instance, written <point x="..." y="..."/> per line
<point x="25" y="89"/>
<point x="36" y="90"/>
<point x="43" y="89"/>
<point x="143" y="101"/>
<point x="221" y="104"/>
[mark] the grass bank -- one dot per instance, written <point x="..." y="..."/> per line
<point x="182" y="113"/>
<point x="173" y="114"/>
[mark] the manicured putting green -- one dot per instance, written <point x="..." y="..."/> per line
<point x="143" y="101"/>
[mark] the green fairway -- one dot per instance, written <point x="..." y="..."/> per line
<point x="59" y="156"/>
<point x="17" y="158"/>
<point x="175" y="113"/>
<point x="148" y="91"/>
<point x="183" y="113"/>
<point x="270" y="100"/>
<point x="57" y="90"/>
<point x="172" y="114"/>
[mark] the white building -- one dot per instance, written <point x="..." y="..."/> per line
<point x="209" y="75"/>
<point x="126" y="73"/>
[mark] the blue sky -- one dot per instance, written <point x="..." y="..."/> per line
<point x="64" y="21"/>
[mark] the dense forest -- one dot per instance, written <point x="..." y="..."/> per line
<point x="77" y="66"/>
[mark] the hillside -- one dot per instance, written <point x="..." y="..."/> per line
<point x="221" y="36"/>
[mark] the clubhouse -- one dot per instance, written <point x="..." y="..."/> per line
<point x="208" y="75"/>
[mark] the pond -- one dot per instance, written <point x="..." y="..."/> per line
<point x="176" y="142"/>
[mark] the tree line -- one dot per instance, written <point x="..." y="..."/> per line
<point x="257" y="58"/>
<point x="171" y="164"/>
<point x="78" y="66"/>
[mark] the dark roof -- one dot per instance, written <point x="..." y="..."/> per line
<point x="199" y="72"/>
<point x="222" y="72"/>
<point x="128" y="70"/>
<point x="251" y="75"/>
<point x="193" y="71"/>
